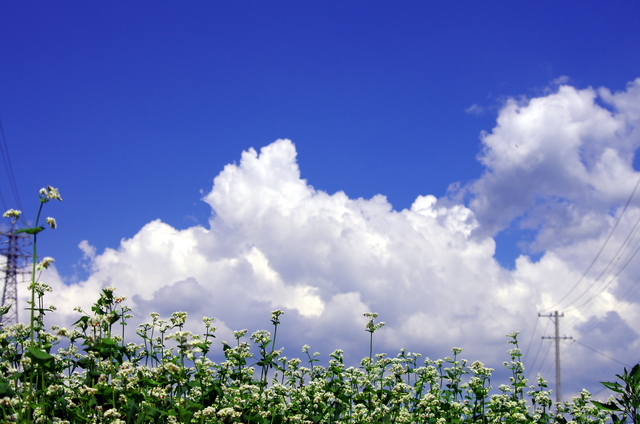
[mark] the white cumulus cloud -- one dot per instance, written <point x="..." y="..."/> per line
<point x="561" y="164"/>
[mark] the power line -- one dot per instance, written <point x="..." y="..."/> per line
<point x="627" y="296"/>
<point x="533" y="333"/>
<point x="608" y="284"/>
<point x="544" y="358"/>
<point x="610" y="265"/>
<point x="622" y="251"/>
<point x="538" y="351"/>
<point x="593" y="262"/>
<point x="600" y="353"/>
<point x="9" y="168"/>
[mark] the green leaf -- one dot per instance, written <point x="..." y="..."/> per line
<point x="132" y="410"/>
<point x="634" y="375"/>
<point x="114" y="318"/>
<point x="85" y="362"/>
<point x="32" y="231"/>
<point x="38" y="355"/>
<point x="83" y="322"/>
<point x="606" y="406"/>
<point x="106" y="342"/>
<point x="6" y="390"/>
<point x="151" y="411"/>
<point x="612" y="386"/>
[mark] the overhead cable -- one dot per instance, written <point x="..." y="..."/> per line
<point x="7" y="164"/>
<point x="601" y="249"/>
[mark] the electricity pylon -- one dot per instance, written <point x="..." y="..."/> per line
<point x="13" y="249"/>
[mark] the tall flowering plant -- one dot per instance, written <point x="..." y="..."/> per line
<point x="37" y="362"/>
<point x="45" y="195"/>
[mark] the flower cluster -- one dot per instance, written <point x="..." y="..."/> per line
<point x="49" y="193"/>
<point x="371" y="327"/>
<point x="12" y="213"/>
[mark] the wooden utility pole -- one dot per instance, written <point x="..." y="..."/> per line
<point x="556" y="319"/>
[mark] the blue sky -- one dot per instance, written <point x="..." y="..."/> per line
<point x="132" y="110"/>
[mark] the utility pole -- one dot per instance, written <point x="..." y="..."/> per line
<point x="556" y="319"/>
<point x="12" y="248"/>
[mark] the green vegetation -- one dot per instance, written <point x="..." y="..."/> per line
<point x="94" y="376"/>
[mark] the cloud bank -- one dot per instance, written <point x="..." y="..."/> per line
<point x="560" y="165"/>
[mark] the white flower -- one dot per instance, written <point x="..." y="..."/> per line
<point x="52" y="222"/>
<point x="275" y="315"/>
<point x="12" y="213"/>
<point x="44" y="263"/>
<point x="52" y="193"/>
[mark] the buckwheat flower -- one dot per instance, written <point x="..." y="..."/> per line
<point x="61" y="331"/>
<point x="514" y="352"/>
<point x="12" y="213"/>
<point x="111" y="413"/>
<point x="40" y="287"/>
<point x="52" y="193"/>
<point x="44" y="263"/>
<point x="261" y="337"/>
<point x="178" y="318"/>
<point x="275" y="316"/>
<point x="52" y="222"/>
<point x="294" y="362"/>
<point x="305" y="348"/>
<point x="223" y="413"/>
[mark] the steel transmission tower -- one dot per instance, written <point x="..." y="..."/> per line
<point x="13" y="249"/>
<point x="556" y="320"/>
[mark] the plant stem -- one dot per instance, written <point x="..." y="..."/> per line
<point x="34" y="260"/>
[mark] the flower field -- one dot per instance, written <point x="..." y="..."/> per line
<point x="91" y="374"/>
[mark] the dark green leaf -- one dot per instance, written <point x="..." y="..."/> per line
<point x="606" y="406"/>
<point x="6" y="390"/>
<point x="38" y="355"/>
<point x="612" y="386"/>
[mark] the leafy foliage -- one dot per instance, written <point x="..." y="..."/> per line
<point x="625" y="406"/>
